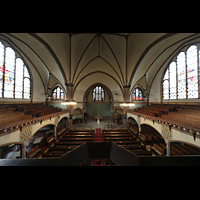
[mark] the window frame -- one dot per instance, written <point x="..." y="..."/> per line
<point x="140" y="92"/>
<point x="17" y="55"/>
<point x="98" y="94"/>
<point x="61" y="91"/>
<point x="174" y="59"/>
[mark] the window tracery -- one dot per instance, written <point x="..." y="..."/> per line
<point x="98" y="94"/>
<point x="58" y="93"/>
<point x="181" y="78"/>
<point x="137" y="95"/>
<point x="14" y="75"/>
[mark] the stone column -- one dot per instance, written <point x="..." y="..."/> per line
<point x="55" y="132"/>
<point x="125" y="120"/>
<point x="139" y="129"/>
<point x="23" y="150"/>
<point x="126" y="97"/>
<point x="70" y="107"/>
<point x="168" y="148"/>
<point x="70" y="89"/>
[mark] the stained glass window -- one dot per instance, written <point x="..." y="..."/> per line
<point x="58" y="93"/>
<point x="1" y="67"/>
<point x="137" y="95"/>
<point x="93" y="94"/>
<point x="166" y="85"/>
<point x="181" y="75"/>
<point x="9" y="73"/>
<point x="172" y="80"/>
<point x="14" y="75"/>
<point x="98" y="94"/>
<point x="181" y="79"/>
<point x="19" y="78"/>
<point x="192" y="78"/>
<point x="26" y="88"/>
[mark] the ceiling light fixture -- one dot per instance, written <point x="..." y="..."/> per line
<point x="69" y="102"/>
<point x="127" y="104"/>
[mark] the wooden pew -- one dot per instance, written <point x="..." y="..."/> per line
<point x="84" y="139"/>
<point x="68" y="141"/>
<point x="142" y="152"/>
<point x="11" y="114"/>
<point x="183" y="121"/>
<point x="181" y="148"/>
<point x="3" y="111"/>
<point x="117" y="135"/>
<point x="193" y="150"/>
<point x="159" y="150"/>
<point x="9" y="120"/>
<point x="33" y="152"/>
<point x="134" y="129"/>
<point x="115" y="130"/>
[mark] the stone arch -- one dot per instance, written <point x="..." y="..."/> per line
<point x="142" y="120"/>
<point x="105" y="88"/>
<point x="78" y="111"/>
<point x="131" y="118"/>
<point x="137" y="119"/>
<point x="156" y="127"/>
<point x="35" y="131"/>
<point x="78" y="115"/>
<point x="52" y="122"/>
<point x="61" y="124"/>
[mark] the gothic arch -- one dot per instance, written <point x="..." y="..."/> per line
<point x="93" y="86"/>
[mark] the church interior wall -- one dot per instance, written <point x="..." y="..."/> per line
<point x="101" y="78"/>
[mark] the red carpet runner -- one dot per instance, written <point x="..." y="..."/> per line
<point x="98" y="138"/>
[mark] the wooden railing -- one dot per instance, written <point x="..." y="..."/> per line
<point x="10" y="126"/>
<point x="107" y="150"/>
<point x="189" y="127"/>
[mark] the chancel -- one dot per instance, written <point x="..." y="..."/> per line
<point x="100" y="99"/>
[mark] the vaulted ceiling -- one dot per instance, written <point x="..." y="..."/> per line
<point x="114" y="59"/>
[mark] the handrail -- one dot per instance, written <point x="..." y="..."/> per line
<point x="176" y="125"/>
<point x="80" y="155"/>
<point x="104" y="150"/>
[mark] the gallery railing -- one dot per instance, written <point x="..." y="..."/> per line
<point x="108" y="151"/>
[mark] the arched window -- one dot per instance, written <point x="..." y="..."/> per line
<point x="181" y="79"/>
<point x="137" y="95"/>
<point x="98" y="94"/>
<point x="14" y="75"/>
<point x="58" y="93"/>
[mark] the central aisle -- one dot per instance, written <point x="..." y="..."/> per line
<point x="98" y="138"/>
<point x="98" y="135"/>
